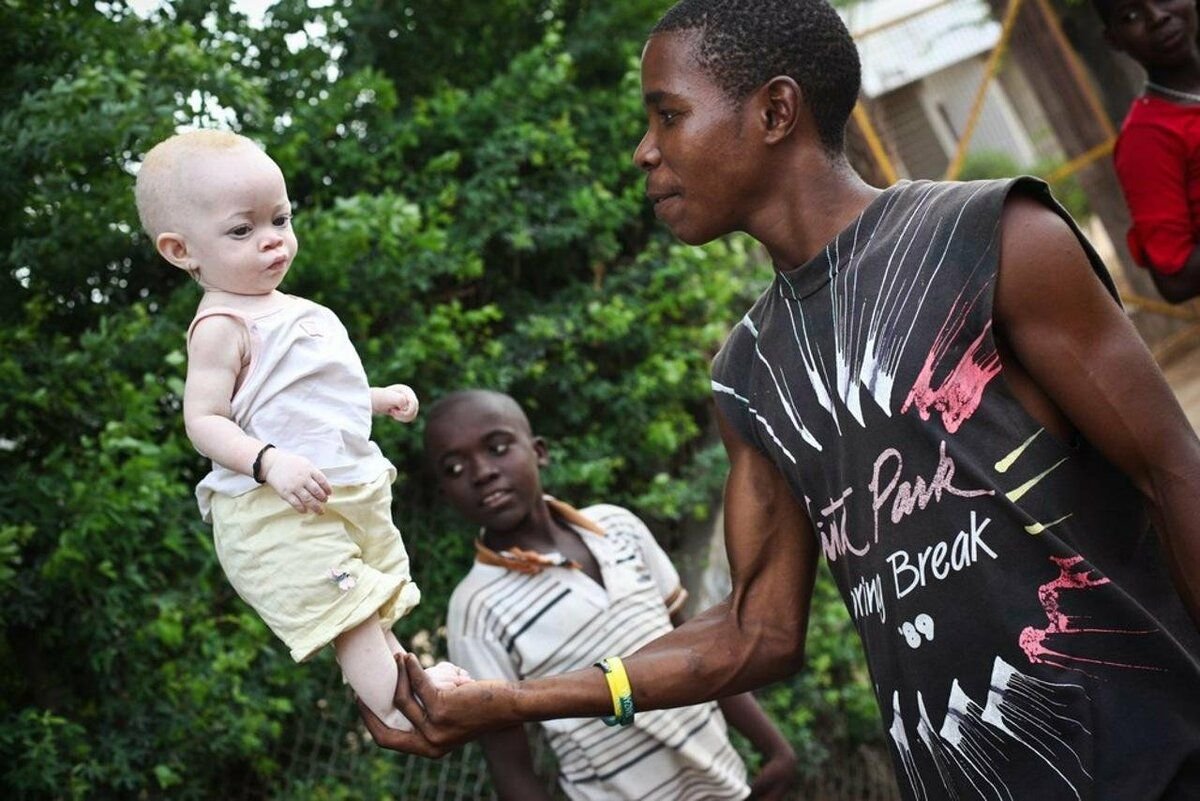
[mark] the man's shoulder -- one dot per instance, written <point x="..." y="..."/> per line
<point x="961" y="193"/>
<point x="1148" y="127"/>
<point x="1153" y="111"/>
<point x="479" y="588"/>
<point x="733" y="356"/>
<point x="610" y="514"/>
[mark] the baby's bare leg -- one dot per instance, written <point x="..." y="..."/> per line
<point x="444" y="675"/>
<point x="365" y="655"/>
<point x="392" y="642"/>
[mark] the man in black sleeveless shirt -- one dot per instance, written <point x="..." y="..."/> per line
<point x="940" y="394"/>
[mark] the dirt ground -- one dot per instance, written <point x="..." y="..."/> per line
<point x="1183" y="374"/>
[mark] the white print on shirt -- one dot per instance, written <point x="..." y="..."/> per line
<point x="922" y="625"/>
<point x="931" y="561"/>
<point x="1020" y="710"/>
<point x="867" y="598"/>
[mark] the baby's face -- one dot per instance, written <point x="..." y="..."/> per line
<point x="238" y="222"/>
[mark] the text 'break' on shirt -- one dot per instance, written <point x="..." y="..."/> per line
<point x="506" y="624"/>
<point x="1024" y="639"/>
<point x="305" y="391"/>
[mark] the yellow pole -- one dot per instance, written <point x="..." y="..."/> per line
<point x="1079" y="162"/>
<point x="960" y="153"/>
<point x="1077" y="70"/>
<point x="1136" y="301"/>
<point x="874" y="143"/>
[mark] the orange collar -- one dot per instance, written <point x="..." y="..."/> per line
<point x="533" y="562"/>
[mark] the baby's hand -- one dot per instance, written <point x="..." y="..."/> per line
<point x="397" y="401"/>
<point x="446" y="676"/>
<point x="297" y="480"/>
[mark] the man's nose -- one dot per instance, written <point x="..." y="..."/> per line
<point x="1158" y="15"/>
<point x="647" y="156"/>
<point x="482" y="470"/>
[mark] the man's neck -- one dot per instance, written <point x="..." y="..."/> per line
<point x="1184" y="77"/>
<point x="818" y="198"/>
<point x="534" y="533"/>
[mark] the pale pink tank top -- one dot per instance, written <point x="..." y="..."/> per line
<point x="304" y="391"/>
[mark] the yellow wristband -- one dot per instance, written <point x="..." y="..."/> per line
<point x="622" y="693"/>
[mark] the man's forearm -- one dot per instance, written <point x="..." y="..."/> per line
<point x="718" y="653"/>
<point x="511" y="764"/>
<point x="743" y="713"/>
<point x="1182" y="285"/>
<point x="709" y="657"/>
<point x="1176" y="506"/>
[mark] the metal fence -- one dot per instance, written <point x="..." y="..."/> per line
<point x="331" y="756"/>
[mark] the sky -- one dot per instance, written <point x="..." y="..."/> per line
<point x="253" y="9"/>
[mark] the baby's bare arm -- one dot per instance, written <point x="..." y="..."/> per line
<point x="398" y="401"/>
<point x="216" y="352"/>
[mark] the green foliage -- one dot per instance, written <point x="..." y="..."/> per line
<point x="997" y="164"/>
<point x="467" y="206"/>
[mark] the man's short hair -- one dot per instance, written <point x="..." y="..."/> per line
<point x="160" y="182"/>
<point x="742" y="44"/>
<point x="1104" y="8"/>
<point x="446" y="404"/>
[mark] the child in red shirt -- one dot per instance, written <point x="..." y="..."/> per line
<point x="1156" y="155"/>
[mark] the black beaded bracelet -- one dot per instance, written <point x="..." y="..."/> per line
<point x="256" y="470"/>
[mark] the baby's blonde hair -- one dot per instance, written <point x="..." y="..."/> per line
<point x="159" y="189"/>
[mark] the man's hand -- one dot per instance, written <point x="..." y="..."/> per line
<point x="397" y="401"/>
<point x="777" y="777"/>
<point x="442" y="719"/>
<point x="297" y="480"/>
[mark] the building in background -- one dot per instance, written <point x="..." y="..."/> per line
<point x="923" y="63"/>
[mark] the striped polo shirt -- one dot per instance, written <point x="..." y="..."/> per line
<point x="505" y="624"/>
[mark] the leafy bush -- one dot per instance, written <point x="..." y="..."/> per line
<point x="488" y="231"/>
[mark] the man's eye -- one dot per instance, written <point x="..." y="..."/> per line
<point x="500" y="448"/>
<point x="667" y="116"/>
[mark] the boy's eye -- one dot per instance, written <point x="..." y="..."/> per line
<point x="282" y="220"/>
<point x="453" y="470"/>
<point x="241" y="230"/>
<point x="500" y="448"/>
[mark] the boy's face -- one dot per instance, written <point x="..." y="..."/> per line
<point x="237" y="232"/>
<point x="701" y="168"/>
<point x="1155" y="33"/>
<point x="487" y="461"/>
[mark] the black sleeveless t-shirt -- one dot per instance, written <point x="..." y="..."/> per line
<point x="1023" y="635"/>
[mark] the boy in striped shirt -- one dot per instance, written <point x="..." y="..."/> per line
<point x="554" y="589"/>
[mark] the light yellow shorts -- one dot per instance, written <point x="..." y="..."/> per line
<point x="312" y="577"/>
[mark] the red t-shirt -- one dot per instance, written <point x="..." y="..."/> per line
<point x="1157" y="157"/>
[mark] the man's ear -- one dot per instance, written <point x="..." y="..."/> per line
<point x="173" y="247"/>
<point x="781" y="105"/>
<point x="542" y="451"/>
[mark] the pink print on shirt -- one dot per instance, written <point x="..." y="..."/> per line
<point x="959" y="394"/>
<point x="1033" y="640"/>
